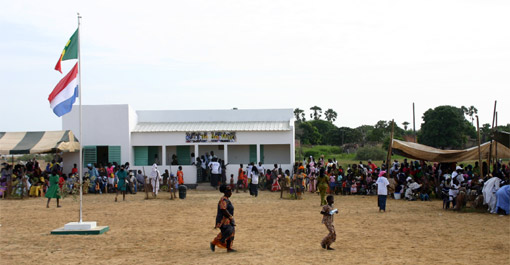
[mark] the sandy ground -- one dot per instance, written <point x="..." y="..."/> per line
<point x="269" y="231"/>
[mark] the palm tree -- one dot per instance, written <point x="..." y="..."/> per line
<point x="331" y="115"/>
<point x="298" y="113"/>
<point x="471" y="111"/>
<point x="405" y="123"/>
<point x="317" y="111"/>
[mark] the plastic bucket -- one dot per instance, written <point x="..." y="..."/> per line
<point x="396" y="196"/>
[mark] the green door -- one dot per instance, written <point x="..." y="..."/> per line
<point x="253" y="153"/>
<point x="184" y="155"/>
<point x="114" y="154"/>
<point x="141" y="155"/>
<point x="89" y="155"/>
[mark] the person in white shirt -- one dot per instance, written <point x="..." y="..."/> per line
<point x="490" y="187"/>
<point x="248" y="175"/>
<point x="262" y="175"/>
<point x="411" y="187"/>
<point x="155" y="178"/>
<point x="458" y="174"/>
<point x="453" y="192"/>
<point x="382" y="191"/>
<point x="254" y="174"/>
<point x="215" y="172"/>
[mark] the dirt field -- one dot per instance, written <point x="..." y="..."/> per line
<point x="269" y="231"/>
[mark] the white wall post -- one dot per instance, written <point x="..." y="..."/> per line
<point x="163" y="155"/>
<point x="197" y="155"/>
<point x="258" y="153"/>
<point x="225" y="153"/>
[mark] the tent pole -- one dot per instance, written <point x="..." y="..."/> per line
<point x="21" y="180"/>
<point x="492" y="135"/>
<point x="479" y="149"/>
<point x="496" y="145"/>
<point x="414" y="125"/>
<point x="390" y="146"/>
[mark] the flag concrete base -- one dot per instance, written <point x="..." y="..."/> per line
<point x="80" y="228"/>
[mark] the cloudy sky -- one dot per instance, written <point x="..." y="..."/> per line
<point x="368" y="60"/>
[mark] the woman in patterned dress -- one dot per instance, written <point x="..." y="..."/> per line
<point x="225" y="222"/>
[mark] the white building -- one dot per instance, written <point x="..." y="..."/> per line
<point x="117" y="133"/>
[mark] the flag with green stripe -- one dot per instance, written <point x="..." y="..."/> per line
<point x="70" y="51"/>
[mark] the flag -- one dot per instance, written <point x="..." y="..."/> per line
<point x="70" y="51"/>
<point x="65" y="93"/>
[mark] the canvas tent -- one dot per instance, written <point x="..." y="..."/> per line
<point x="427" y="153"/>
<point x="503" y="138"/>
<point x="16" y="143"/>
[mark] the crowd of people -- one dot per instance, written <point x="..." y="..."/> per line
<point x="415" y="180"/>
<point x="28" y="179"/>
<point x="454" y="183"/>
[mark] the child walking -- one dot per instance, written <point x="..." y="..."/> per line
<point x="172" y="186"/>
<point x="232" y="186"/>
<point x="327" y="219"/>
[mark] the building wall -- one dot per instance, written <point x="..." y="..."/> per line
<point x="278" y="154"/>
<point x="112" y="125"/>
<point x="178" y="138"/>
<point x="108" y="125"/>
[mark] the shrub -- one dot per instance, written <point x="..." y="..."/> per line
<point x="311" y="152"/>
<point x="370" y="152"/>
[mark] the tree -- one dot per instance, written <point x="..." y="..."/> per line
<point x="445" y="127"/>
<point x="331" y="115"/>
<point x="317" y="111"/>
<point x="364" y="131"/>
<point x="485" y="132"/>
<point x="325" y="129"/>
<point x="298" y="113"/>
<point x="471" y="111"/>
<point x="349" y="135"/>
<point x="310" y="134"/>
<point x="405" y="123"/>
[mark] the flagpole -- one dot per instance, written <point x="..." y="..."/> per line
<point x="81" y="131"/>
<point x="80" y="228"/>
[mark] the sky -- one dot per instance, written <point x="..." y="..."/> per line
<point x="368" y="60"/>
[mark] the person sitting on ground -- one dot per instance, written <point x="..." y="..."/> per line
<point x="412" y="187"/>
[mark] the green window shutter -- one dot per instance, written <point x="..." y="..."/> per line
<point x="114" y="154"/>
<point x="89" y="155"/>
<point x="183" y="155"/>
<point x="153" y="154"/>
<point x="141" y="155"/>
<point x="262" y="154"/>
<point x="253" y="153"/>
